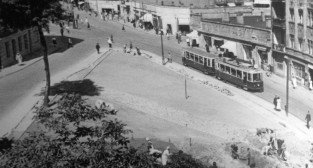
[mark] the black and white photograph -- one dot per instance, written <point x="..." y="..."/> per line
<point x="156" y="83"/>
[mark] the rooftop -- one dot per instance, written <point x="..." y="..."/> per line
<point x="253" y="21"/>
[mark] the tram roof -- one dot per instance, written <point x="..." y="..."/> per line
<point x="199" y="52"/>
<point x="243" y="66"/>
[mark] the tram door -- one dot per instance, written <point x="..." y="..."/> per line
<point x="245" y="77"/>
<point x="205" y="62"/>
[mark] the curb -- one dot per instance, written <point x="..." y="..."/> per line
<point x="20" y="129"/>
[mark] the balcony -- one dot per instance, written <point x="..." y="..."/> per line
<point x="278" y="22"/>
<point x="279" y="47"/>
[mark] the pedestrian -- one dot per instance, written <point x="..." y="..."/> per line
<point x="179" y="38"/>
<point x="98" y="48"/>
<point x="110" y="42"/>
<point x="69" y="43"/>
<point x="123" y="28"/>
<point x="54" y="41"/>
<point x="130" y="46"/>
<point x="278" y="105"/>
<point x="275" y="101"/>
<point x="88" y="25"/>
<point x="207" y="48"/>
<point x="308" y="119"/>
<point x="248" y="156"/>
<point x="214" y="165"/>
<point x="138" y="51"/>
<point x="168" y="36"/>
<point x="165" y="156"/>
<point x="61" y="25"/>
<point x="86" y="20"/>
<point x="169" y="57"/>
<point x="310" y="84"/>
<point x="112" y="38"/>
<point x="124" y="48"/>
<point x="67" y="29"/>
<point x="62" y="31"/>
<point x="19" y="58"/>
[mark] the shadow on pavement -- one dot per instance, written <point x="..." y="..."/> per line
<point x="61" y="46"/>
<point x="84" y="87"/>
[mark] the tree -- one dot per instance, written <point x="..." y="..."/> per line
<point x="78" y="135"/>
<point x="21" y="14"/>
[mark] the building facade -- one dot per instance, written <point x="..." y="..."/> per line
<point x="293" y="38"/>
<point x="24" y="42"/>
<point x="247" y="37"/>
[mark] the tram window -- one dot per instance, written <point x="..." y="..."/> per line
<point x="196" y="58"/>
<point x="256" y="77"/>
<point x="227" y="70"/>
<point x="187" y="55"/>
<point x="233" y="71"/>
<point x="209" y="62"/>
<point x="245" y="77"/>
<point x="192" y="57"/>
<point x="249" y="77"/>
<point x="200" y="60"/>
<point x="239" y="74"/>
<point x="222" y="67"/>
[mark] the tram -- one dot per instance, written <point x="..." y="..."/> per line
<point x="199" y="60"/>
<point x="230" y="70"/>
<point x="239" y="73"/>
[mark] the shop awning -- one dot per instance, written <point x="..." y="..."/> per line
<point x="193" y="34"/>
<point x="147" y="17"/>
<point x="183" y="21"/>
<point x="231" y="46"/>
<point x="262" y="2"/>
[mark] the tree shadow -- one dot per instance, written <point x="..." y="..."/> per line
<point x="84" y="87"/>
<point x="61" y="46"/>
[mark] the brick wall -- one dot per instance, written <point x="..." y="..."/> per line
<point x="24" y="42"/>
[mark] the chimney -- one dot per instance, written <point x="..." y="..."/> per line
<point x="225" y="17"/>
<point x="263" y="16"/>
<point x="239" y="18"/>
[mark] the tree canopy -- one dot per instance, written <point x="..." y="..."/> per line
<point x="78" y="135"/>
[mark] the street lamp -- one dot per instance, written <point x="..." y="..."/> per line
<point x="287" y="84"/>
<point x="162" y="47"/>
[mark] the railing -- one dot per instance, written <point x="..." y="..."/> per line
<point x="279" y="47"/>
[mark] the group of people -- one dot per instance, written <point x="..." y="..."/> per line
<point x="156" y="153"/>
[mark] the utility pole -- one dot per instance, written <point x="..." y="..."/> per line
<point x="162" y="47"/>
<point x="186" y="95"/>
<point x="97" y="7"/>
<point x="287" y="85"/>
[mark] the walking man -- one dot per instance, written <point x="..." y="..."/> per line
<point x="130" y="46"/>
<point x="98" y="48"/>
<point x="308" y="119"/>
<point x="169" y="57"/>
<point x="69" y="43"/>
<point x="62" y="31"/>
<point x="123" y="28"/>
<point x="124" y="48"/>
<point x="19" y="58"/>
<point x="54" y="41"/>
<point x="110" y="42"/>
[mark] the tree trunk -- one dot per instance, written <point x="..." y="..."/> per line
<point x="46" y="62"/>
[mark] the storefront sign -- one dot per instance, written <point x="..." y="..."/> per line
<point x="250" y="34"/>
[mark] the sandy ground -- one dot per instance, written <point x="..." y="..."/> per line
<point x="151" y="101"/>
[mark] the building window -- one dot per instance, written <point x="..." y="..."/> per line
<point x="20" y="46"/>
<point x="300" y="40"/>
<point x="310" y="18"/>
<point x="310" y="46"/>
<point x="292" y="41"/>
<point x="14" y="46"/>
<point x="300" y="16"/>
<point x="7" y="49"/>
<point x="292" y="14"/>
<point x="25" y="41"/>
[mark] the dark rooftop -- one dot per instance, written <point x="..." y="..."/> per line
<point x="253" y="21"/>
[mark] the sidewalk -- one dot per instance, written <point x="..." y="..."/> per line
<point x="27" y="106"/>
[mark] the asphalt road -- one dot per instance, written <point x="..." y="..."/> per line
<point x="15" y="86"/>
